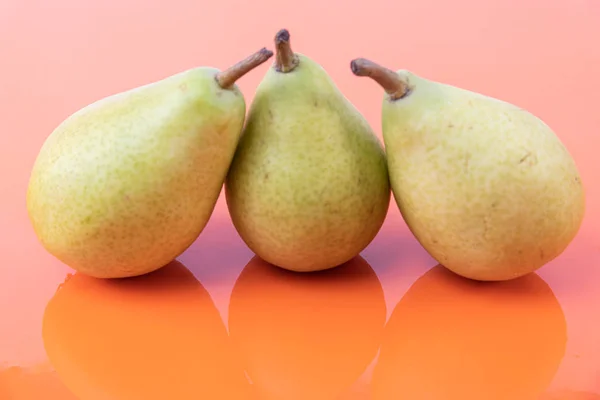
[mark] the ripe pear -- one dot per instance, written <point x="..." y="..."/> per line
<point x="487" y="188"/>
<point x="308" y="187"/>
<point x="126" y="184"/>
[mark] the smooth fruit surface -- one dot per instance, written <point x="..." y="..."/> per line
<point x="308" y="187"/>
<point x="485" y="186"/>
<point x="126" y="184"/>
<point x="543" y="56"/>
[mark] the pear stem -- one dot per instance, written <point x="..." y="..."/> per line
<point x="285" y="59"/>
<point x="227" y="78"/>
<point x="390" y="81"/>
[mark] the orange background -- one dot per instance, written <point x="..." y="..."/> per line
<point x="297" y="337"/>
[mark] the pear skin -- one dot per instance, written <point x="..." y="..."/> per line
<point x="308" y="187"/>
<point x="126" y="184"/>
<point x="487" y="188"/>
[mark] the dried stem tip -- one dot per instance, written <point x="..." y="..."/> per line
<point x="285" y="59"/>
<point x="390" y="81"/>
<point x="227" y="78"/>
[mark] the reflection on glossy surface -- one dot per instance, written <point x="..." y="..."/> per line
<point x="450" y="338"/>
<point x="57" y="56"/>
<point x="570" y="395"/>
<point x="306" y="336"/>
<point x="39" y="382"/>
<point x="158" y="336"/>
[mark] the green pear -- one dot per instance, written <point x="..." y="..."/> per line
<point x="126" y="184"/>
<point x="487" y="188"/>
<point x="308" y="187"/>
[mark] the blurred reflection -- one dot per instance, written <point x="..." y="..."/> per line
<point x="570" y="395"/>
<point x="450" y="338"/>
<point x="39" y="382"/>
<point x="157" y="336"/>
<point x="306" y="335"/>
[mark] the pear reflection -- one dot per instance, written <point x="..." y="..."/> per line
<point x="570" y="395"/>
<point x="306" y="336"/>
<point x="39" y="382"/>
<point x="157" y="336"/>
<point x="452" y="338"/>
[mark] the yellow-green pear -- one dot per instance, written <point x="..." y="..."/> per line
<point x="126" y="184"/>
<point x="308" y="187"/>
<point x="487" y="188"/>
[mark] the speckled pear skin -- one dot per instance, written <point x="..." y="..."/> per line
<point x="126" y="184"/>
<point x="308" y="187"/>
<point x="487" y="188"/>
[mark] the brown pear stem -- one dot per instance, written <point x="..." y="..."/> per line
<point x="285" y="59"/>
<point x="390" y="81"/>
<point x="227" y="78"/>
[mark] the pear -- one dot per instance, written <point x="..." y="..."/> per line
<point x="308" y="188"/>
<point x="127" y="183"/>
<point x="487" y="188"/>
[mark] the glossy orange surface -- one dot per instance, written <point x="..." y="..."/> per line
<point x="221" y="324"/>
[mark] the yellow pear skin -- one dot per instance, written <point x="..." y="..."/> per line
<point x="126" y="184"/>
<point x="308" y="187"/>
<point x="486" y="187"/>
